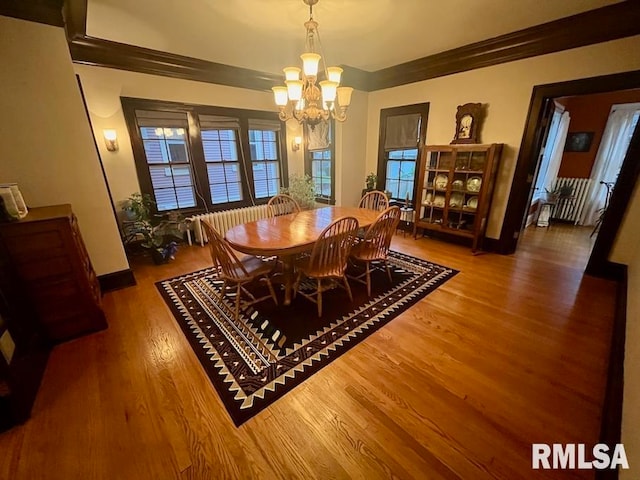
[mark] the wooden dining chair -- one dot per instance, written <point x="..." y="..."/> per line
<point x="282" y="204"/>
<point x="328" y="260"/>
<point x="374" y="200"/>
<point x="373" y="249"/>
<point x="236" y="272"/>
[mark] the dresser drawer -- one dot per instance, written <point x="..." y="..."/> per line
<point x="49" y="267"/>
<point x="48" y="253"/>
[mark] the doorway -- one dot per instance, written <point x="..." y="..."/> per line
<point x="528" y="161"/>
<point x="587" y="139"/>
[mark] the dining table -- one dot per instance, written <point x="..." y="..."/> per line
<point x="286" y="236"/>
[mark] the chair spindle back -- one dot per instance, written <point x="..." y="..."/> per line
<point x="374" y="200"/>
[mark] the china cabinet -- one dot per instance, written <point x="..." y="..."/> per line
<point x="455" y="186"/>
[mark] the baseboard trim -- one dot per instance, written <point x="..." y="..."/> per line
<point x="491" y="245"/>
<point x="117" y="280"/>
<point x="611" y="423"/>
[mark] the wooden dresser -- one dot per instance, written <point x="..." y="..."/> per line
<point x="50" y="258"/>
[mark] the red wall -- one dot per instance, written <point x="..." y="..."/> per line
<point x="589" y="113"/>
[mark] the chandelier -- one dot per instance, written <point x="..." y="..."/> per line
<point x="301" y="98"/>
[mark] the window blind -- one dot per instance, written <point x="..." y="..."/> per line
<point x="402" y="131"/>
<point x="147" y="118"/>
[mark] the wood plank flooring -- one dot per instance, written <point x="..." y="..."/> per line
<point x="509" y="352"/>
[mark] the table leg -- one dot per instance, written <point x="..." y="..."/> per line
<point x="288" y="277"/>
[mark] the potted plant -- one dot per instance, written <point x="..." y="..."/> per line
<point x="302" y="189"/>
<point x="138" y="207"/>
<point x="159" y="234"/>
<point x="371" y="181"/>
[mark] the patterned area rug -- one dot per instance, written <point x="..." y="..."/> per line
<point x="254" y="361"/>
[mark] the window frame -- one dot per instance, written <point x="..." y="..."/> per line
<point x="195" y="148"/>
<point x="308" y="163"/>
<point x="419" y="108"/>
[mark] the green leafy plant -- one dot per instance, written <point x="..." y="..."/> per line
<point x="138" y="206"/>
<point x="302" y="189"/>
<point x="371" y="181"/>
<point x="158" y="233"/>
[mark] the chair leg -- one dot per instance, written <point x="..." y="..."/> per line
<point x="222" y="291"/>
<point x="272" y="291"/>
<point x="368" y="280"/>
<point x="319" y="298"/>
<point x="296" y="284"/>
<point x="386" y="265"/>
<point x="238" y="293"/>
<point x="347" y="288"/>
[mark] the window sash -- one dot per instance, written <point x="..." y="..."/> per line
<point x="401" y="169"/>
<point x="320" y="161"/>
<point x="263" y="149"/>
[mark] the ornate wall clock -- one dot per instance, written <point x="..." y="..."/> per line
<point x="468" y="120"/>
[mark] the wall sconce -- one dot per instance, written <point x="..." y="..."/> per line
<point x="110" y="139"/>
<point x="295" y="144"/>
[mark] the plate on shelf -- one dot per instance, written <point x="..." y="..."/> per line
<point x="441" y="181"/>
<point x="438" y="201"/>
<point x="472" y="202"/>
<point x="456" y="200"/>
<point x="428" y="200"/>
<point x="457" y="184"/>
<point x="474" y="184"/>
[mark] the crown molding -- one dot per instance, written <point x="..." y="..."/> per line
<point x="48" y="12"/>
<point x="104" y="53"/>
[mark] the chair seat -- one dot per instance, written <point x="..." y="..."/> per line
<point x="366" y="251"/>
<point x="254" y="266"/>
<point x="304" y="265"/>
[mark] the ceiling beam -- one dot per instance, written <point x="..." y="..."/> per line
<point x="42" y="11"/>
<point x="75" y="18"/>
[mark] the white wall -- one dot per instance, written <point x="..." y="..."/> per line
<point x="507" y="90"/>
<point x="350" y="152"/>
<point x="45" y="140"/>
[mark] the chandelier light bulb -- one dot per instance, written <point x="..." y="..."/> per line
<point x="344" y="96"/>
<point x="280" y="95"/>
<point x="328" y="91"/>
<point x="291" y="73"/>
<point x="294" y="89"/>
<point x="310" y="63"/>
<point x="334" y="74"/>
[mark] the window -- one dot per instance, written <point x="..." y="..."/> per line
<point x="220" y="145"/>
<point x="401" y="173"/>
<point x="193" y="157"/>
<point x="263" y="147"/>
<point x="319" y="161"/>
<point x="402" y="135"/>
<point x="165" y="148"/>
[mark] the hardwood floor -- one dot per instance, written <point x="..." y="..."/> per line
<point x="509" y="352"/>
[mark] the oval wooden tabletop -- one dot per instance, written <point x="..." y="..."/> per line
<point x="293" y="233"/>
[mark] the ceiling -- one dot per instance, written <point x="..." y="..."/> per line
<point x="266" y="35"/>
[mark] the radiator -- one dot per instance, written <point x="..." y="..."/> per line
<point x="571" y="209"/>
<point x="224" y="220"/>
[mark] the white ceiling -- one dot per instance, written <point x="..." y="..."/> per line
<point x="267" y="35"/>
